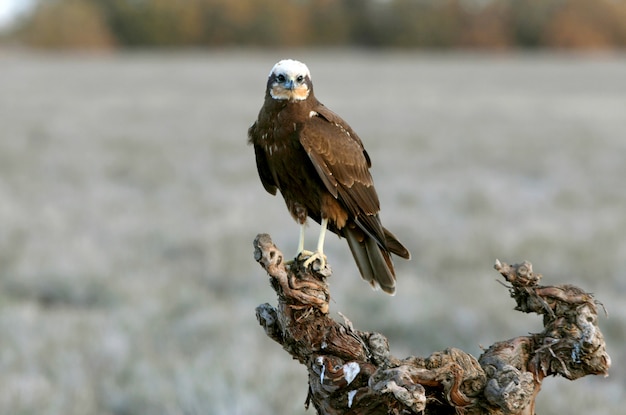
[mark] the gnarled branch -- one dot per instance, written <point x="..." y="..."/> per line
<point x="353" y="372"/>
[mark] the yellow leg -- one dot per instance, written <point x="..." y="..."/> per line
<point x="322" y="237"/>
<point x="301" y="250"/>
<point x="301" y="242"/>
<point x="319" y="252"/>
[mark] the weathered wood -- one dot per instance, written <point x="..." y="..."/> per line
<point x="353" y="372"/>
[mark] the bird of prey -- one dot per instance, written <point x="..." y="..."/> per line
<point x="318" y="163"/>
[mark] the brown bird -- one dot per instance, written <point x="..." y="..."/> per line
<point x="320" y="167"/>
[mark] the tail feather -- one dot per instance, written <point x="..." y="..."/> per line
<point x="373" y="261"/>
<point x="380" y="261"/>
<point x="394" y="246"/>
<point x="357" y="247"/>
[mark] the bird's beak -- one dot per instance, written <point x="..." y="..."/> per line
<point x="289" y="84"/>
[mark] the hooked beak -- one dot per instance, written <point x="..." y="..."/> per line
<point x="289" y="84"/>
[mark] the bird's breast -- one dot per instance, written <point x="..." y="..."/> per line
<point x="275" y="149"/>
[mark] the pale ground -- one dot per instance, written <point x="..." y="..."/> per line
<point x="129" y="201"/>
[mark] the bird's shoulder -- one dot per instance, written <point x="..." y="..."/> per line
<point x="330" y="136"/>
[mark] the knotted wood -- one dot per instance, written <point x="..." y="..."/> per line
<point x="353" y="372"/>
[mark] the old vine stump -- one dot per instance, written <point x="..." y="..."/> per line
<point x="353" y="372"/>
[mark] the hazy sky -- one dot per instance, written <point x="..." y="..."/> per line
<point x="11" y="8"/>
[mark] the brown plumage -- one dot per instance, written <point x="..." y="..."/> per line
<point x="320" y="167"/>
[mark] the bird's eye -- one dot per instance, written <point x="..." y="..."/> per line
<point x="281" y="78"/>
<point x="300" y="78"/>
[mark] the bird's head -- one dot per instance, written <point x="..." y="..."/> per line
<point x="289" y="80"/>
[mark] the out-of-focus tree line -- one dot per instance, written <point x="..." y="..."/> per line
<point x="490" y="24"/>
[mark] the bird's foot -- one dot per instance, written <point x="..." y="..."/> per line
<point x="299" y="256"/>
<point x="304" y="254"/>
<point x="312" y="258"/>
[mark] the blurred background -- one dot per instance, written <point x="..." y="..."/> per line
<point x="129" y="199"/>
<point x="485" y="24"/>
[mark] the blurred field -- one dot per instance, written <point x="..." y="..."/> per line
<point x="129" y="201"/>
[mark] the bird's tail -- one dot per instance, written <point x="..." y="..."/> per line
<point x="394" y="246"/>
<point x="374" y="261"/>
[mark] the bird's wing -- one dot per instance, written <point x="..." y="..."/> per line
<point x="262" y="165"/>
<point x="343" y="165"/>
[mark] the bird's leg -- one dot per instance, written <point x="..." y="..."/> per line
<point x="319" y="252"/>
<point x="300" y="252"/>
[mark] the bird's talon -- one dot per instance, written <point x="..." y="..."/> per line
<point x="304" y="254"/>
<point x="315" y="256"/>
